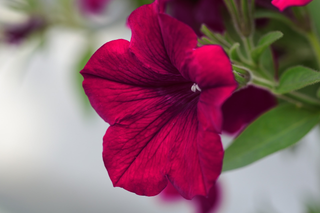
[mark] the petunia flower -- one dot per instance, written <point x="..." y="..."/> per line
<point x="244" y="106"/>
<point x="162" y="97"/>
<point x="93" y="6"/>
<point x="203" y="204"/>
<point x="17" y="32"/>
<point x="197" y="12"/>
<point x="283" y="4"/>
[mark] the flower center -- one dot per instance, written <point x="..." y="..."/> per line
<point x="195" y="88"/>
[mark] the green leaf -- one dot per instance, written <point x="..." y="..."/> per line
<point x="273" y="15"/>
<point x="318" y="93"/>
<point x="313" y="8"/>
<point x="313" y="207"/>
<point x="216" y="38"/>
<point x="267" y="65"/>
<point x="275" y="130"/>
<point x="296" y="78"/>
<point x="264" y="43"/>
<point x="233" y="52"/>
<point x="241" y="78"/>
<point x="204" y="40"/>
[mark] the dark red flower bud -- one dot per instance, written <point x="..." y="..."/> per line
<point x="17" y="32"/>
<point x="93" y="6"/>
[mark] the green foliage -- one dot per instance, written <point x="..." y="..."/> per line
<point x="264" y="43"/>
<point x="241" y="78"/>
<point x="26" y="6"/>
<point x="214" y="38"/>
<point x="313" y="8"/>
<point x="313" y="208"/>
<point x="143" y="2"/>
<point x="318" y="93"/>
<point x="233" y="52"/>
<point x="275" y="130"/>
<point x="296" y="78"/>
<point x="270" y="14"/>
<point x="267" y="65"/>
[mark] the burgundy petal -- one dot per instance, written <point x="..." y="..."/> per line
<point x="179" y="39"/>
<point x="283" y="4"/>
<point x="209" y="66"/>
<point x="197" y="12"/>
<point x="244" y="106"/>
<point x="146" y="40"/>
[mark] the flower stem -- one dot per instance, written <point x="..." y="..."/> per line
<point x="305" y="98"/>
<point x="247" y="46"/>
<point x="315" y="44"/>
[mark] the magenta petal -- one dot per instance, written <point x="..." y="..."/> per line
<point x="244" y="106"/>
<point x="178" y="38"/>
<point x="196" y="162"/>
<point x="283" y="4"/>
<point x="209" y="66"/>
<point x="146" y="40"/>
<point x="209" y="107"/>
<point x="210" y="12"/>
<point x="197" y="12"/>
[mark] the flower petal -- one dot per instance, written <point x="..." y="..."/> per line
<point x="113" y="63"/>
<point x="162" y="142"/>
<point x="210" y="203"/>
<point x="194" y="13"/>
<point x="146" y="40"/>
<point x="209" y="67"/>
<point x="244" y="106"/>
<point x="209" y="107"/>
<point x="283" y="4"/>
<point x="179" y="39"/>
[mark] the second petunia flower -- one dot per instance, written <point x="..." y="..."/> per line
<point x="283" y="4"/>
<point x="162" y="97"/>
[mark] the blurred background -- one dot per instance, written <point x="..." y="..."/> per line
<point x="51" y="140"/>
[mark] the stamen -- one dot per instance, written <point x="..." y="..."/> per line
<point x="195" y="87"/>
